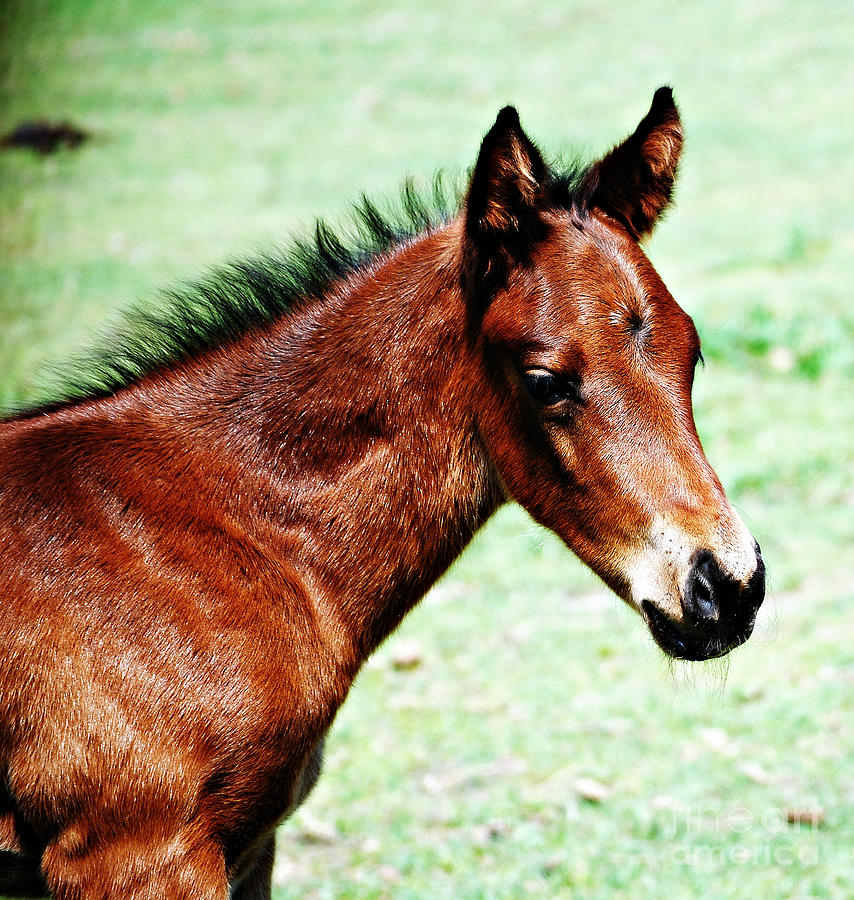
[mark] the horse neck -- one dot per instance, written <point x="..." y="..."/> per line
<point x="373" y="474"/>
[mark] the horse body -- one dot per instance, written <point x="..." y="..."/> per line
<point x="196" y="566"/>
<point x="245" y="608"/>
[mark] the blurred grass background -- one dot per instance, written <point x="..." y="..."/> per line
<point x="519" y="735"/>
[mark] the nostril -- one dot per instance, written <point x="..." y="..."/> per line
<point x="709" y="594"/>
<point x="701" y="602"/>
<point x="703" y="596"/>
<point x="712" y="597"/>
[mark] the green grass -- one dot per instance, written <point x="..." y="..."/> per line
<point x="220" y="127"/>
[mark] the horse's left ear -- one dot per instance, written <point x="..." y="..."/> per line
<point x="634" y="181"/>
<point x="506" y="189"/>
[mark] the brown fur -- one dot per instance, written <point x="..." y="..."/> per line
<point x="195" y="568"/>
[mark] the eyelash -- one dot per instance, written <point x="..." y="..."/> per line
<point x="550" y="388"/>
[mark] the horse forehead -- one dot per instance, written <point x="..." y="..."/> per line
<point x="594" y="279"/>
<point x="593" y="288"/>
<point x="614" y="270"/>
<point x="606" y="303"/>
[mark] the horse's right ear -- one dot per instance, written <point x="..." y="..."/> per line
<point x="507" y="186"/>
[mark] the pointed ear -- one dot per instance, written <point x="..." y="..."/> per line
<point x="507" y="186"/>
<point x="635" y="180"/>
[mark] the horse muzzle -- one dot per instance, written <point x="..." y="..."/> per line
<point x="718" y="612"/>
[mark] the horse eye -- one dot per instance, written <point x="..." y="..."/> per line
<point x="548" y="388"/>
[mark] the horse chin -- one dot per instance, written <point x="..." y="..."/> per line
<point x="694" y="645"/>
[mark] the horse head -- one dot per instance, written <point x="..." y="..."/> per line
<point x="589" y="363"/>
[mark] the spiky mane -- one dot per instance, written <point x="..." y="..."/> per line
<point x="242" y="295"/>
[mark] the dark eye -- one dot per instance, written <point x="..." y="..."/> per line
<point x="549" y="388"/>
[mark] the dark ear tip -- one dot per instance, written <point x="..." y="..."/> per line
<point x="662" y="101"/>
<point x="508" y="118"/>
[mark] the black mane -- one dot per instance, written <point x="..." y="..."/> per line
<point x="242" y="295"/>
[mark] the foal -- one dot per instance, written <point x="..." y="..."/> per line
<point x="201" y="550"/>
